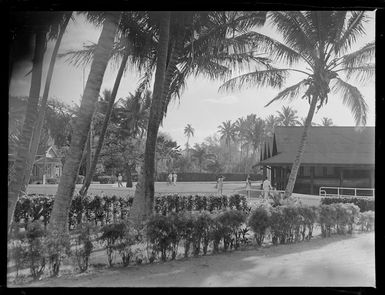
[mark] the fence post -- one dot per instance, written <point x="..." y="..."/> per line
<point x="338" y="191"/>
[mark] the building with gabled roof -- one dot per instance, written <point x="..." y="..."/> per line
<point x="333" y="156"/>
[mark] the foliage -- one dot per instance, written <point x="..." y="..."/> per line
<point x="83" y="245"/>
<point x="366" y="220"/>
<point x="258" y="221"/>
<point x="57" y="247"/>
<point x="364" y="203"/>
<point x="337" y="217"/>
<point x="111" y="236"/>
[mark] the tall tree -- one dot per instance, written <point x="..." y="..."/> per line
<point x="228" y="133"/>
<point x="188" y="131"/>
<point x="288" y="117"/>
<point x="59" y="214"/>
<point x="321" y="40"/>
<point x="144" y="194"/>
<point x="22" y="153"/>
<point x="43" y="104"/>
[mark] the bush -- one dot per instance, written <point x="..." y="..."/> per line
<point x="57" y="247"/>
<point x="230" y="227"/>
<point x="111" y="236"/>
<point x="364" y="203"/>
<point x="366" y="220"/>
<point x="52" y="181"/>
<point x="161" y="233"/>
<point x="203" y="225"/>
<point x="259" y="222"/>
<point x="35" y="254"/>
<point x="83" y="245"/>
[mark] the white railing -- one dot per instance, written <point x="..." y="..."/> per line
<point x="256" y="193"/>
<point x="324" y="191"/>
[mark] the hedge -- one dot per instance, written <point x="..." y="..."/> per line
<point x="101" y="210"/>
<point x="364" y="203"/>
<point x="195" y="176"/>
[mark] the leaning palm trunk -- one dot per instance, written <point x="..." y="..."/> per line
<point x="43" y="105"/>
<point x="60" y="210"/>
<point x="91" y="172"/>
<point x="301" y="149"/>
<point x="22" y="154"/>
<point x="144" y="193"/>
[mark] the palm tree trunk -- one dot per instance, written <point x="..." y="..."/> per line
<point x="63" y="198"/>
<point x="301" y="149"/>
<point x="22" y="154"/>
<point x="90" y="174"/>
<point x="43" y="105"/>
<point x="144" y="193"/>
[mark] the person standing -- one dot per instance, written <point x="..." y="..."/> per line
<point x="174" y="177"/>
<point x="170" y="178"/>
<point x="220" y="184"/>
<point x="120" y="178"/>
<point x="248" y="186"/>
<point x="266" y="188"/>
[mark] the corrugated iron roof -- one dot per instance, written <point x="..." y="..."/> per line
<point x="326" y="145"/>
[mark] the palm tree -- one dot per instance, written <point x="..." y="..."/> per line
<point x="188" y="131"/>
<point x="240" y="127"/>
<point x="22" y="154"/>
<point x="327" y="122"/>
<point x="321" y="40"/>
<point x="302" y="122"/>
<point x="59" y="214"/>
<point x="228" y="132"/>
<point x="43" y="104"/>
<point x="270" y="123"/>
<point x="201" y="155"/>
<point x="144" y="193"/>
<point x="211" y="54"/>
<point x="287" y="117"/>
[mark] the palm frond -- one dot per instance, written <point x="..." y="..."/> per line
<point x="272" y="77"/>
<point x="359" y="57"/>
<point x="289" y="93"/>
<point x="295" y="33"/>
<point x="352" y="98"/>
<point x="360" y="73"/>
<point x="354" y="28"/>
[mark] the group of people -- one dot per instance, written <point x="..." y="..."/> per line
<point x="172" y="177"/>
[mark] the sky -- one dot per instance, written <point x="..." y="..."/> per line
<point x="200" y="105"/>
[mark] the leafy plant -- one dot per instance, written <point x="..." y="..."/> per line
<point x="259" y="222"/>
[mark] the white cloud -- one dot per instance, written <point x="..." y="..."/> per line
<point x="231" y="99"/>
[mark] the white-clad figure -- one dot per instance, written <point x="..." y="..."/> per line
<point x="174" y="177"/>
<point x="266" y="188"/>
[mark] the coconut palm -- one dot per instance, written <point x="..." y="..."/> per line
<point x="66" y="187"/>
<point x="43" y="104"/>
<point x="212" y="53"/>
<point x="240" y="127"/>
<point x="327" y="122"/>
<point x="202" y="156"/>
<point x="288" y="117"/>
<point x="302" y="122"/>
<point x="227" y="131"/>
<point x="37" y="25"/>
<point x="321" y="40"/>
<point x="188" y="131"/>
<point x="270" y="123"/>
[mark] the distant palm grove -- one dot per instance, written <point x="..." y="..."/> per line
<point x="105" y="135"/>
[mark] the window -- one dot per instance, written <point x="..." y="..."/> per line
<point x="300" y="171"/>
<point x="306" y="171"/>
<point x="318" y="171"/>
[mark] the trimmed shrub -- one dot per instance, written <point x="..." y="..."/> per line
<point x="366" y="220"/>
<point x="258" y="221"/>
<point x="57" y="246"/>
<point x="83" y="245"/>
<point x="364" y="203"/>
<point x="111" y="235"/>
<point x="231" y="222"/>
<point x="161" y="233"/>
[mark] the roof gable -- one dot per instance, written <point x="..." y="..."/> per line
<point x="326" y="145"/>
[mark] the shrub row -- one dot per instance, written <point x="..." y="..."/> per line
<point x="196" y="176"/>
<point x="364" y="203"/>
<point x="102" y="210"/>
<point x="176" y="203"/>
<point x="185" y="232"/>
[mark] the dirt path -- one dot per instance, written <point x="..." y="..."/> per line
<point x="335" y="261"/>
